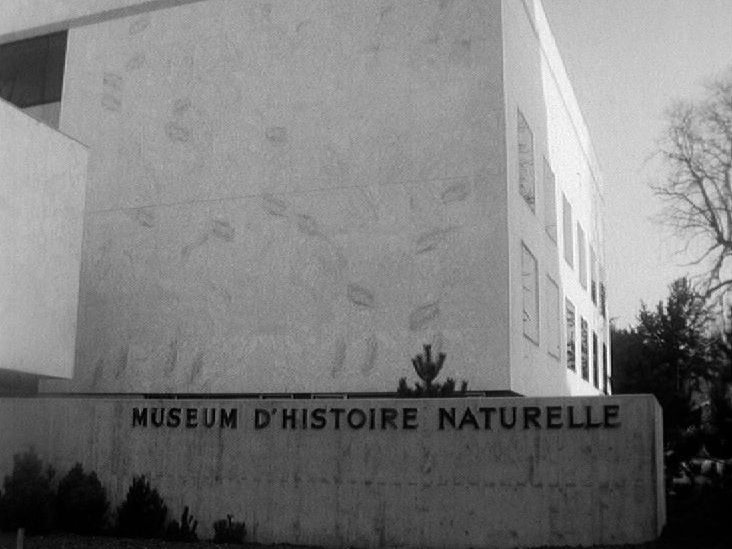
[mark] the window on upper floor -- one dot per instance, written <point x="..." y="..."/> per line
<point x="582" y="256"/>
<point x="605" y="376"/>
<point x="567" y="231"/>
<point x="595" y="361"/>
<point x="530" y="285"/>
<point x="593" y="275"/>
<point x="525" y="140"/>
<point x="571" y="337"/>
<point x="550" y="203"/>
<point x="553" y="317"/>
<point x="585" y="349"/>
<point x="31" y="75"/>
<point x="603" y="292"/>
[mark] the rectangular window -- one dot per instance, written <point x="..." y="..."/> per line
<point x="595" y="362"/>
<point x="567" y="231"/>
<point x="553" y="319"/>
<point x="31" y="70"/>
<point x="582" y="256"/>
<point x="526" y="161"/>
<point x="571" y="340"/>
<point x="31" y="75"/>
<point x="603" y="295"/>
<point x="605" y="377"/>
<point x="585" y="349"/>
<point x="530" y="284"/>
<point x="550" y="203"/>
<point x="593" y="275"/>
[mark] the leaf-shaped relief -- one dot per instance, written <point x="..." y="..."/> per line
<point x="369" y="360"/>
<point x="276" y="134"/>
<point x="456" y="191"/>
<point x="171" y="358"/>
<point x="97" y="375"/>
<point x="196" y="368"/>
<point x="177" y="133"/>
<point x="358" y="295"/>
<point x="339" y="357"/>
<point x="122" y="355"/>
<point x="112" y="81"/>
<point x="186" y="250"/>
<point x="431" y="239"/>
<point x="308" y="225"/>
<point x="135" y="62"/>
<point x="139" y="25"/>
<point x="423" y="315"/>
<point x="144" y="216"/>
<point x="274" y="206"/>
<point x="181" y="106"/>
<point x="111" y="102"/>
<point x="223" y="230"/>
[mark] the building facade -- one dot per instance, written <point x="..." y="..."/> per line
<point x="294" y="196"/>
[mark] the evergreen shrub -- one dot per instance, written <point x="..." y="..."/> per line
<point x="142" y="514"/>
<point x="26" y="500"/>
<point x="81" y="502"/>
<point x="228" y="531"/>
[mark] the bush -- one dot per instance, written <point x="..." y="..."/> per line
<point x="227" y="531"/>
<point x="27" y="498"/>
<point x="81" y="502"/>
<point x="185" y="530"/>
<point x="142" y="513"/>
<point x="428" y="368"/>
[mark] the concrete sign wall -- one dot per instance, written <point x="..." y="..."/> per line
<point x="509" y="472"/>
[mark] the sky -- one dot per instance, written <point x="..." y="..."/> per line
<point x="628" y="60"/>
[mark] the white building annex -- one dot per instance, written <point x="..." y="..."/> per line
<point x="293" y="196"/>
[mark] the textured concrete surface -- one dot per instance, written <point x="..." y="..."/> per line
<point x="297" y="195"/>
<point x="478" y="473"/>
<point x="291" y="196"/>
<point x="42" y="185"/>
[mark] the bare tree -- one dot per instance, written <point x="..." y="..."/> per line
<point x="697" y="147"/>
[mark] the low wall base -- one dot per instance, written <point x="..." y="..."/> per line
<point x="471" y="472"/>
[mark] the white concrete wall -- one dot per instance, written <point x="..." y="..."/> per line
<point x="42" y="184"/>
<point x="525" y="486"/>
<point x="291" y="196"/>
<point x="537" y="84"/>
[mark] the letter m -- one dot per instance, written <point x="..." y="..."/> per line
<point x="228" y="419"/>
<point x="139" y="417"/>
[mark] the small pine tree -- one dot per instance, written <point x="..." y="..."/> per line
<point x="142" y="513"/>
<point x="81" y="502"/>
<point x="27" y="498"/>
<point x="428" y="369"/>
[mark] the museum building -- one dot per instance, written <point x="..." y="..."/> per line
<point x="292" y="197"/>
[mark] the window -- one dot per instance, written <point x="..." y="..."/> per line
<point x="571" y="341"/>
<point x="526" y="162"/>
<point x="585" y="349"/>
<point x="593" y="275"/>
<point x="603" y="295"/>
<point x="605" y="377"/>
<point x="582" y="255"/>
<point x="567" y="231"/>
<point x="553" y="318"/>
<point x="530" y="284"/>
<point x="550" y="203"/>
<point x="31" y="72"/>
<point x="595" y="363"/>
